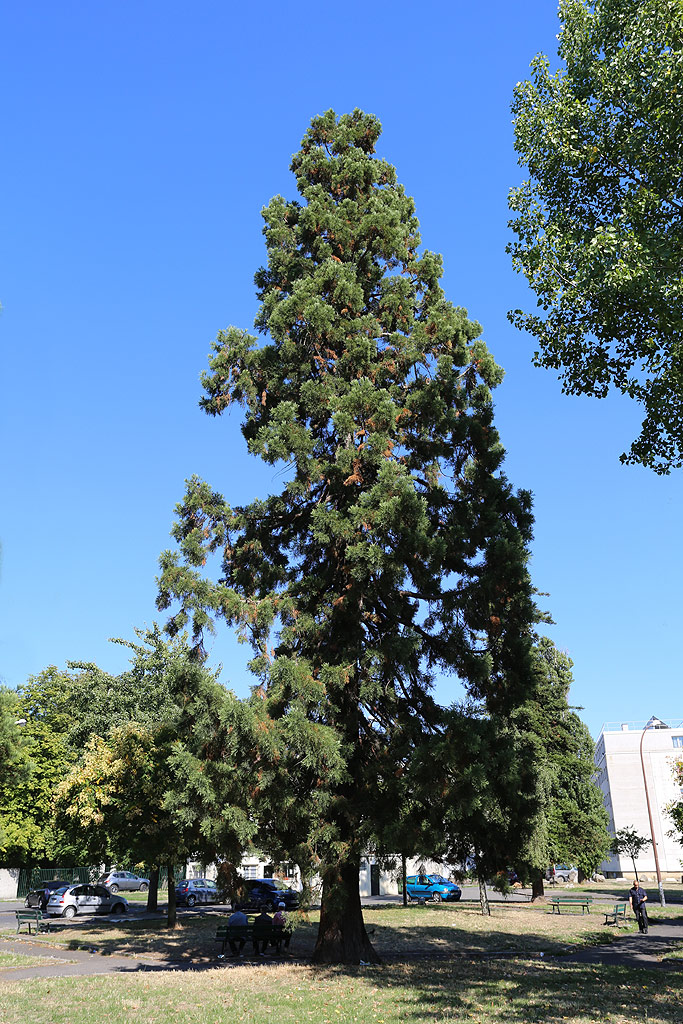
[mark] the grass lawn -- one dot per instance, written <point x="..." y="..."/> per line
<point x="493" y="992"/>
<point x="395" y="930"/>
<point x="20" y="960"/>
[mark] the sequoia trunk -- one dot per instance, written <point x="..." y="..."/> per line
<point x="537" y="889"/>
<point x="153" y="892"/>
<point x="342" y="938"/>
<point x="171" y="896"/>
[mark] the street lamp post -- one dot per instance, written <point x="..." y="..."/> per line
<point x="650" y="725"/>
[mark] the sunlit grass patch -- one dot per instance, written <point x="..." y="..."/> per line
<point x="22" y="960"/>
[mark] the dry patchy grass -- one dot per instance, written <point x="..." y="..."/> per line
<point x="471" y="991"/>
<point x="395" y="931"/>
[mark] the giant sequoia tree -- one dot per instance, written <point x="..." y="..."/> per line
<point x="395" y="549"/>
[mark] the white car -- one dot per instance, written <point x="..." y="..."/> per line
<point x="85" y="899"/>
<point x="562" y="873"/>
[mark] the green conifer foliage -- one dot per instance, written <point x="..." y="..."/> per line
<point x="396" y="548"/>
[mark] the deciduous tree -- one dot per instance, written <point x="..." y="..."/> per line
<point x="174" y="783"/>
<point x="600" y="220"/>
<point x="396" y="547"/>
<point x="572" y="826"/>
<point x="630" y="842"/>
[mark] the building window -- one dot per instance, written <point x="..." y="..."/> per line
<point x="250" y="871"/>
<point x="677" y="741"/>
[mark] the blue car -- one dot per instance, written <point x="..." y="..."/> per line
<point x="431" y="887"/>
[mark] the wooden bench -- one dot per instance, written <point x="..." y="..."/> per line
<point x="273" y="934"/>
<point x="558" y="902"/>
<point x="616" y="914"/>
<point x="32" y="917"/>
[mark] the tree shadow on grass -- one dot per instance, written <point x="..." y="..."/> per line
<point x="525" y="991"/>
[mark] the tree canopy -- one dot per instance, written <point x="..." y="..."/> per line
<point x="172" y="780"/>
<point x="600" y="220"/>
<point x="572" y="824"/>
<point x="396" y="547"/>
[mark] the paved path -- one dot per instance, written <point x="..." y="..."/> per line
<point x="632" y="950"/>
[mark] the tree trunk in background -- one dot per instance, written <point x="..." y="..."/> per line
<point x="483" y="898"/>
<point x="342" y="938"/>
<point x="153" y="891"/>
<point x="171" y="896"/>
<point x="403" y="876"/>
<point x="537" y="888"/>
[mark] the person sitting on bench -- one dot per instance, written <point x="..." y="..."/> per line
<point x="264" y="923"/>
<point x="238" y="918"/>
<point x="280" y="921"/>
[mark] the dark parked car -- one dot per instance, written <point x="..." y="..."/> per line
<point x="197" y="890"/>
<point x="266" y="894"/>
<point x="38" y="897"/>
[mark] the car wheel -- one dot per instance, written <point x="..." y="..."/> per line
<point x="436" y="896"/>
<point x="118" y="908"/>
<point x="143" y="887"/>
<point x="191" y="900"/>
<point x="69" y="912"/>
<point x="114" y="888"/>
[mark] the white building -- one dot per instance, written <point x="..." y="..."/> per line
<point x="620" y="777"/>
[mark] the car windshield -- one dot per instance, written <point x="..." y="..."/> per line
<point x="439" y="879"/>
<point x="62" y="888"/>
<point x="277" y="884"/>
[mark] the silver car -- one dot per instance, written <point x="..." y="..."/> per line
<point x="126" y="880"/>
<point x="85" y="899"/>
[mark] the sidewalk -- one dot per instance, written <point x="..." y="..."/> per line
<point x="77" y="962"/>
<point x="634" y="950"/>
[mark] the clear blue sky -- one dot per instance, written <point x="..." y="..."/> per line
<point x="140" y="141"/>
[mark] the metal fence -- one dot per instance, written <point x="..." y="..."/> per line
<point x="32" y="878"/>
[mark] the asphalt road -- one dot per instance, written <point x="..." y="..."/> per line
<point x="136" y="908"/>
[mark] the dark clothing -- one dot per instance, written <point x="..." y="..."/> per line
<point x="638" y="897"/>
<point x="265" y="922"/>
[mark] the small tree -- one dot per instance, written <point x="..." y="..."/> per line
<point x="572" y="825"/>
<point x="675" y="808"/>
<point x="31" y="835"/>
<point x="173" y="786"/>
<point x="15" y="763"/>
<point x="630" y="842"/>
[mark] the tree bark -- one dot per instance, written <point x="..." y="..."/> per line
<point x="153" y="891"/>
<point x="171" y="896"/>
<point x="404" y="877"/>
<point x="342" y="938"/>
<point x="537" y="888"/>
<point x="483" y="897"/>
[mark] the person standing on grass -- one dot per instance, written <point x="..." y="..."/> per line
<point x="637" y="898"/>
<point x="238" y="918"/>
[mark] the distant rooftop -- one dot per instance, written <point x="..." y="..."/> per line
<point x="674" y="722"/>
